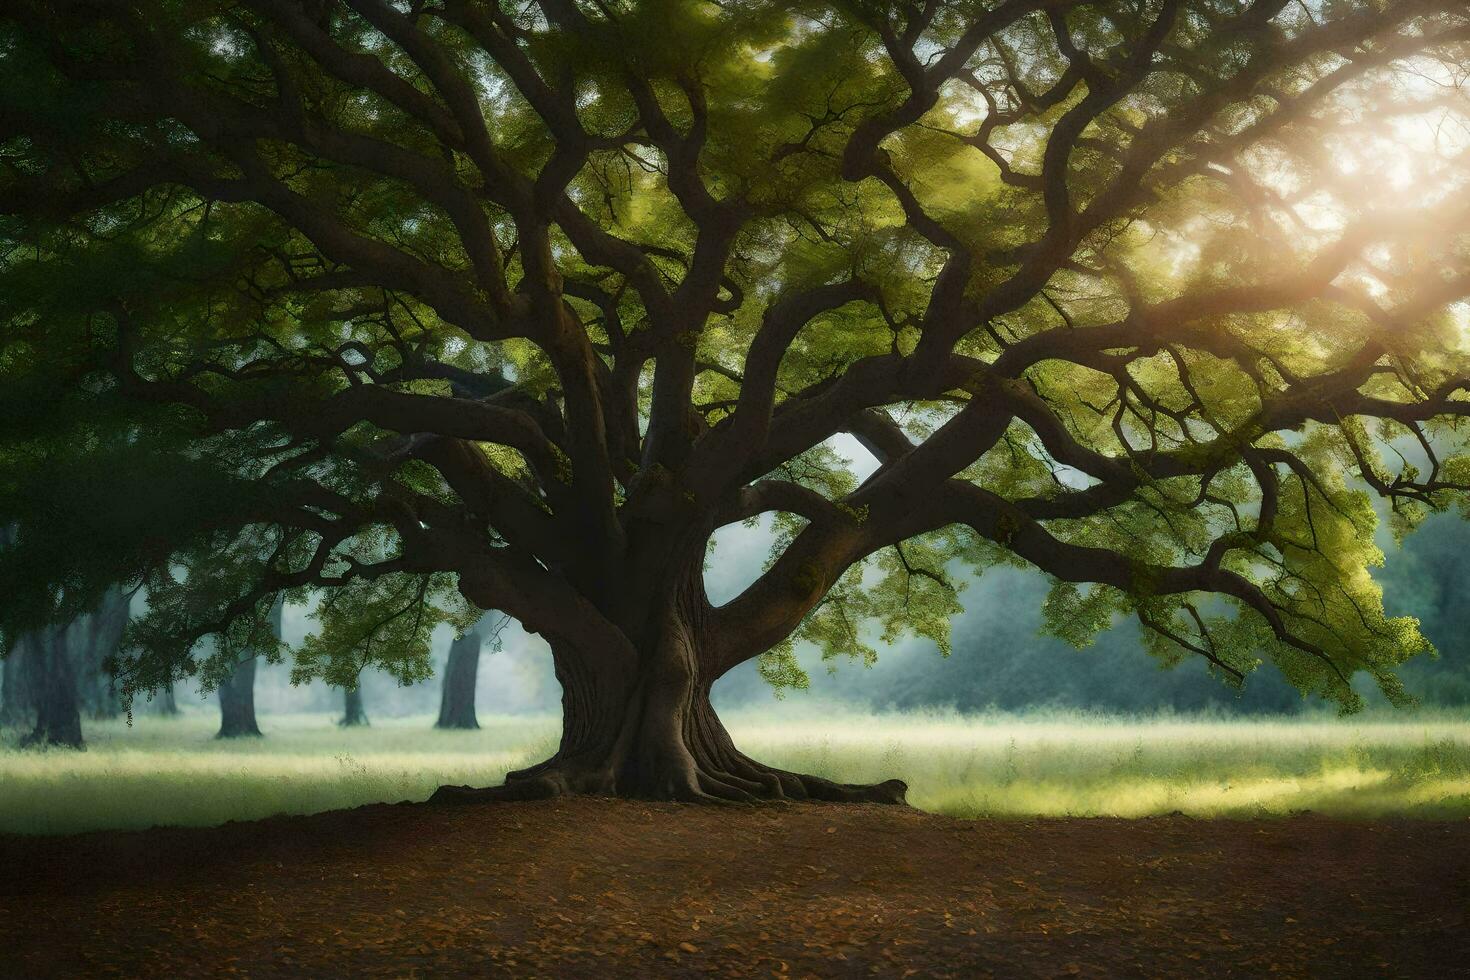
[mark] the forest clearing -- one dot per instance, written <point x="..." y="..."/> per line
<point x="173" y="771"/>
<point x="1092" y="376"/>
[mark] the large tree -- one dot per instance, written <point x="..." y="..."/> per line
<point x="438" y="306"/>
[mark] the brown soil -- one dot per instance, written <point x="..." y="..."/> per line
<point x="592" y="888"/>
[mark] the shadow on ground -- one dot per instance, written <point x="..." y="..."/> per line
<point x="594" y="888"/>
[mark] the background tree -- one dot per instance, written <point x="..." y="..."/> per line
<point x="354" y="714"/>
<point x="449" y="306"/>
<point x="462" y="673"/>
<point x="56" y="672"/>
<point x="237" y="685"/>
<point x="168" y="704"/>
<point x="51" y="678"/>
<point x="13" y="696"/>
<point x="14" y="691"/>
<point x="93" y="643"/>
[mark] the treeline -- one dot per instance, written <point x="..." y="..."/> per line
<point x="51" y="679"/>
<point x="1002" y="661"/>
<point x="54" y="679"/>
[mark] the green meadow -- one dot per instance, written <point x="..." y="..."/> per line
<point x="172" y="771"/>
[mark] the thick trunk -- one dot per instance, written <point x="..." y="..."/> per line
<point x="651" y="733"/>
<point x="237" y="702"/>
<point x="457" y="703"/>
<point x="657" y="739"/>
<point x="353" y="712"/>
<point x="54" y="688"/>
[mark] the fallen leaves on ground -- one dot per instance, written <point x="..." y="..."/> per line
<point x="601" y="888"/>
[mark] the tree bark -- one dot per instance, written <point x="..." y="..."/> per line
<point x="353" y="712"/>
<point x="651" y="732"/>
<point x="461" y="673"/>
<point x="54" y="688"/>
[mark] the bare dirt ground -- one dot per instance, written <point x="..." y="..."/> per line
<point x="593" y="889"/>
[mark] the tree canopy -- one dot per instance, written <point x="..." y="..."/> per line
<point x="443" y="305"/>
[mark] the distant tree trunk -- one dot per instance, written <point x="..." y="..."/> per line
<point x="58" y="672"/>
<point x="14" y="699"/>
<point x="54" y="687"/>
<point x="237" y="702"/>
<point x="457" y="704"/>
<point x="237" y="693"/>
<point x="353" y="713"/>
<point x="168" y="704"/>
<point x="15" y="695"/>
<point x="93" y="640"/>
<point x="99" y="695"/>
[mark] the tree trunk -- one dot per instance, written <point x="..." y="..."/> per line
<point x="461" y="673"/>
<point x="54" y="688"/>
<point x="15" y="695"/>
<point x="237" y="702"/>
<point x="94" y="639"/>
<point x="237" y="692"/>
<point x="168" y="704"/>
<point x="100" y="695"/>
<point x="353" y="713"/>
<point x="650" y="732"/>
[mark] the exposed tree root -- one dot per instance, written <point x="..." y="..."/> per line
<point x="525" y="789"/>
<point x="656" y="737"/>
<point x="708" y="787"/>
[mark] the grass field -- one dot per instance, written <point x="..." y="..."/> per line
<point x="175" y="772"/>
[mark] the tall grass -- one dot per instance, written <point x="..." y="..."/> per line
<point x="1082" y="765"/>
<point x="174" y="772"/>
